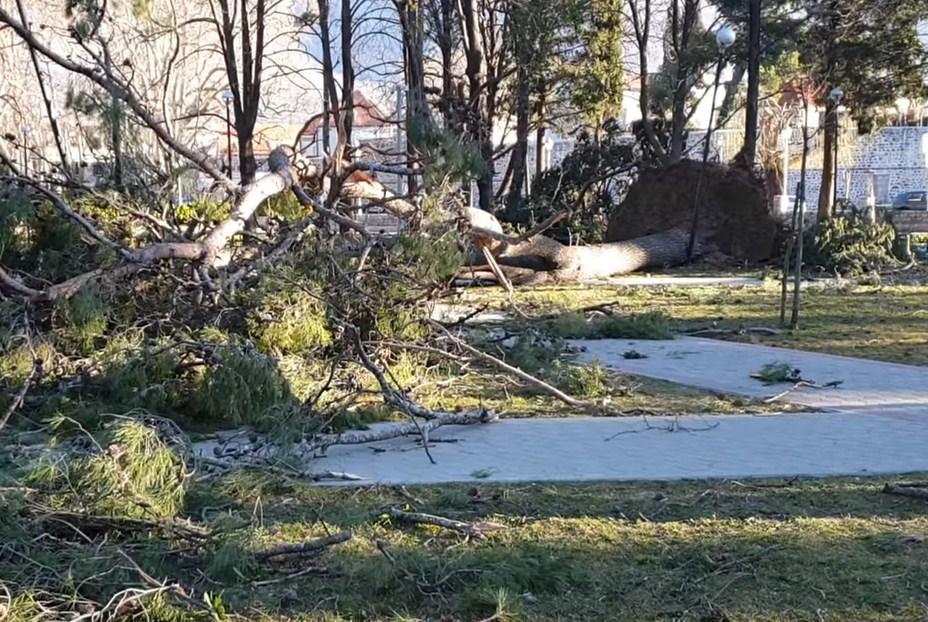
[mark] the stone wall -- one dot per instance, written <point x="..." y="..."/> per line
<point x="896" y="156"/>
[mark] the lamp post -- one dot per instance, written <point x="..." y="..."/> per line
<point x="227" y="97"/>
<point x="836" y="96"/>
<point x="724" y="39"/>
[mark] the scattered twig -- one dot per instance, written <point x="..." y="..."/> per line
<point x="804" y="383"/>
<point x="34" y="375"/>
<point x="302" y="548"/>
<point x="744" y="330"/>
<point x="673" y="426"/>
<point x="489" y="358"/>
<point x="474" y="530"/>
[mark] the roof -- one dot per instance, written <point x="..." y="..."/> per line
<point x="268" y="135"/>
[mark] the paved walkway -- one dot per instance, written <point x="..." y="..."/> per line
<point x="726" y="367"/>
<point x="876" y="422"/>
<point x="588" y="449"/>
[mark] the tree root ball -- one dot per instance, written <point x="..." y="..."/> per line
<point x="734" y="214"/>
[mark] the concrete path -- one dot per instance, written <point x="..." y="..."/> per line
<point x="683" y="281"/>
<point x="726" y="367"/>
<point x="876" y="422"/>
<point x="587" y="449"/>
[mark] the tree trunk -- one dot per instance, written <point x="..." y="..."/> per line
<point x="541" y="258"/>
<point x="520" y="150"/>
<point x="246" y="157"/>
<point x="749" y="150"/>
<point x="540" y="131"/>
<point x="826" y="191"/>
<point x="727" y="107"/>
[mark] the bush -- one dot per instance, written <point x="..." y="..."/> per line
<point x="288" y="318"/>
<point x="589" y="182"/>
<point x="572" y="325"/>
<point x="242" y="388"/>
<point x="852" y="246"/>
<point x="85" y="318"/>
<point x="587" y="381"/>
<point x="134" y="472"/>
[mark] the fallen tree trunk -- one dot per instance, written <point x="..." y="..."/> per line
<point x="540" y="258"/>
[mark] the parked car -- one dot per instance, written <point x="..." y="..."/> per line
<point x="914" y="200"/>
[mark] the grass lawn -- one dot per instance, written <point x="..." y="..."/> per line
<point x="768" y="550"/>
<point x="879" y="322"/>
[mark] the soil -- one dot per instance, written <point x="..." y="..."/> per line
<point x="734" y="215"/>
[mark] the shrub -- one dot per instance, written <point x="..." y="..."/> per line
<point x="288" y="318"/>
<point x="652" y="325"/>
<point x="852" y="246"/>
<point x="241" y="388"/>
<point x="85" y="318"/>
<point x="587" y="381"/>
<point x="134" y="472"/>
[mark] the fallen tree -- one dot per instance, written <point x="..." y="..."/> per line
<point x="538" y="258"/>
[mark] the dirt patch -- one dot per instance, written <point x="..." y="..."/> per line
<point x="734" y="214"/>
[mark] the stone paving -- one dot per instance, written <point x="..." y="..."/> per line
<point x="604" y="449"/>
<point x="726" y="367"/>
<point x="874" y="423"/>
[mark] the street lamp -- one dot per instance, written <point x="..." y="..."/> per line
<point x="227" y="97"/>
<point x="724" y="39"/>
<point x="26" y="130"/>
<point x="836" y="96"/>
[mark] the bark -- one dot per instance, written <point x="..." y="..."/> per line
<point x="417" y="114"/>
<point x="826" y="191"/>
<point x="541" y="258"/>
<point x="749" y="150"/>
<point x="346" y="114"/>
<point x="641" y="23"/>
<point x="518" y="166"/>
<point x="681" y="33"/>
<point x="540" y="131"/>
<point x="476" y="80"/>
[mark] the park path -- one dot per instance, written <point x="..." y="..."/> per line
<point x="726" y="367"/>
<point x="875" y="422"/>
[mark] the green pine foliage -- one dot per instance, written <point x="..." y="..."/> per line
<point x="132" y="472"/>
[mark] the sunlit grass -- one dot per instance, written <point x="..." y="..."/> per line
<point x="770" y="550"/>
<point x="880" y="322"/>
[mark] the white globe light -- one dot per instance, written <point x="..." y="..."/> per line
<point x="725" y="37"/>
<point x="227" y="96"/>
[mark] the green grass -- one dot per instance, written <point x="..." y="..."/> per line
<point x="758" y="551"/>
<point x="765" y="550"/>
<point x="888" y="322"/>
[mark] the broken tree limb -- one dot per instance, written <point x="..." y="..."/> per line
<point x="362" y="437"/>
<point x="280" y="178"/>
<point x="478" y="529"/>
<point x="551" y="260"/>
<point x="917" y="492"/>
<point x="515" y="371"/>
<point x="33" y="377"/>
<point x="302" y="548"/>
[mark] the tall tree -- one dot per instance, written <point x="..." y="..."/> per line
<point x="243" y="69"/>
